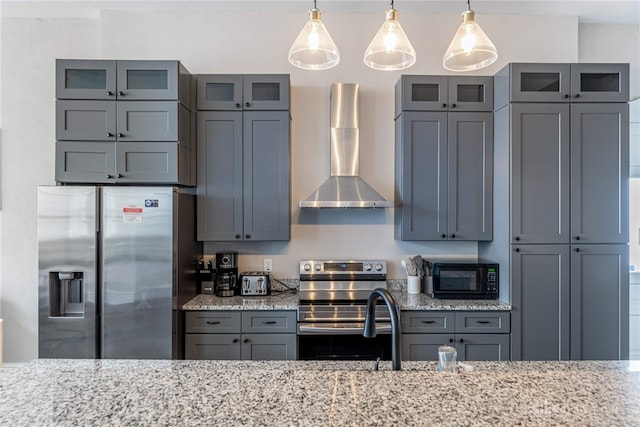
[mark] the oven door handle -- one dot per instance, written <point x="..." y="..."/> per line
<point x="337" y="329"/>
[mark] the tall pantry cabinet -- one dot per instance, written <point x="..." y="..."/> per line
<point x="561" y="208"/>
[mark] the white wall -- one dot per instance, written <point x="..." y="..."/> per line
<point x="227" y="42"/>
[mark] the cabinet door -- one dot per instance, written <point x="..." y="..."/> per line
<point x="266" y="92"/>
<point x="85" y="79"/>
<point x="599" y="302"/>
<point x="148" y="121"/>
<point x="266" y="166"/>
<point x="148" y="162"/>
<point x="147" y="80"/>
<point x="85" y="120"/>
<point x="422" y="93"/>
<point x="540" y="173"/>
<point x="474" y="93"/>
<point x="269" y="347"/>
<point x="219" y="173"/>
<point x="86" y="162"/>
<point x="212" y="347"/>
<point x="470" y="178"/>
<point x="421" y="176"/>
<point x="494" y="347"/>
<point x="600" y="82"/>
<point x="540" y="82"/>
<point x="540" y="300"/>
<point x="599" y="173"/>
<point x="219" y="92"/>
<point x="423" y="346"/>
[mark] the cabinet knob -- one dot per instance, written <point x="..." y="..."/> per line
<point x="577" y="95"/>
<point x="238" y="236"/>
<point x="517" y="238"/>
<point x="235" y="340"/>
<point x="444" y="105"/>
<point x="577" y="249"/>
<point x="246" y="340"/>
<point x="577" y="237"/>
<point x="118" y="175"/>
<point x="120" y="93"/>
<point x="247" y="236"/>
<point x="450" y="339"/>
<point x="109" y="176"/>
<point x="453" y="105"/>
<point x="238" y="105"/>
<point x="444" y="236"/>
<point x="453" y="236"/>
<point x="460" y="340"/>
<point x="110" y="134"/>
<point x="517" y="249"/>
<point x="247" y="104"/>
<point x="120" y="135"/>
<point x="566" y="95"/>
<point x="109" y="93"/>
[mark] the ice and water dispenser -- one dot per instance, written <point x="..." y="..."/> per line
<point x="66" y="294"/>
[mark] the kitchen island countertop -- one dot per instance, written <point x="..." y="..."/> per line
<point x="292" y="393"/>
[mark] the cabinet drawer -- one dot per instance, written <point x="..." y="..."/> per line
<point x="269" y="321"/>
<point x="220" y="322"/>
<point x="483" y="322"/>
<point x="427" y="322"/>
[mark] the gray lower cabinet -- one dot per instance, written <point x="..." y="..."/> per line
<point x="444" y="184"/>
<point x="569" y="301"/>
<point x="243" y="175"/>
<point x="475" y="335"/>
<point x="234" y="335"/>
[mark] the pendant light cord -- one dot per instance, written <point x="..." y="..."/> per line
<point x="468" y="4"/>
<point x="314" y="4"/>
<point x="391" y="4"/>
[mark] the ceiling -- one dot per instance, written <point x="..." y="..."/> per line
<point x="588" y="11"/>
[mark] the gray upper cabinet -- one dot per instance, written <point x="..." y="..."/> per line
<point x="599" y="173"/>
<point x="444" y="183"/>
<point x="549" y="82"/>
<point x="141" y="108"/>
<point x="599" y="302"/>
<point x="243" y="172"/>
<point x="234" y="92"/>
<point x="444" y="93"/>
<point x="540" y="173"/>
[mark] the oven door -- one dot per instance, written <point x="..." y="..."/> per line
<point x="331" y="341"/>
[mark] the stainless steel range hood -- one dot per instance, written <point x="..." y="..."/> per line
<point x="344" y="188"/>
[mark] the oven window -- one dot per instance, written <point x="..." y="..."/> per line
<point x="344" y="347"/>
<point x="459" y="280"/>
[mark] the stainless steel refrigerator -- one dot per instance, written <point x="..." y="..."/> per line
<point x="115" y="266"/>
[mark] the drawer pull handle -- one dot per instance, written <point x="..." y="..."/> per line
<point x="213" y="322"/>
<point x="429" y="321"/>
<point x="484" y="322"/>
<point x="269" y="322"/>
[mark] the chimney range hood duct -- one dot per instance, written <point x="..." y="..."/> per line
<point x="344" y="188"/>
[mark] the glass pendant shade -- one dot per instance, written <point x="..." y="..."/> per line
<point x="390" y="49"/>
<point x="314" y="48"/>
<point x="470" y="48"/>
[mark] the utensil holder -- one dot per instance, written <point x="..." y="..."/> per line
<point x="413" y="284"/>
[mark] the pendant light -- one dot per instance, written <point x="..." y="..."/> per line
<point x="470" y="48"/>
<point x="314" y="48"/>
<point x="390" y="49"/>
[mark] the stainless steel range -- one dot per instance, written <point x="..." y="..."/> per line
<point x="333" y="299"/>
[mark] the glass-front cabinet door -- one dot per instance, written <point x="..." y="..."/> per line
<point x="266" y="92"/>
<point x="470" y="93"/>
<point x="219" y="92"/>
<point x="599" y="82"/>
<point x="147" y="80"/>
<point x="85" y="79"/>
<point x="421" y="93"/>
<point x="540" y="82"/>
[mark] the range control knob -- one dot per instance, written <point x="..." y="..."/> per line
<point x="318" y="267"/>
<point x="307" y="267"/>
<point x="368" y="267"/>
<point x="378" y="267"/>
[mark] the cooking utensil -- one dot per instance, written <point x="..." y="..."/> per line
<point x="411" y="267"/>
<point x="417" y="261"/>
<point x="403" y="263"/>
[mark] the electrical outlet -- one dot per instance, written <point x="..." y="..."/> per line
<point x="268" y="264"/>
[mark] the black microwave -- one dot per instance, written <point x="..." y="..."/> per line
<point x="465" y="280"/>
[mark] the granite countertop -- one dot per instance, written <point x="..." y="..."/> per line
<point x="289" y="301"/>
<point x="298" y="393"/>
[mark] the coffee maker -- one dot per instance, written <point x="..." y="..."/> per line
<point x="227" y="274"/>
